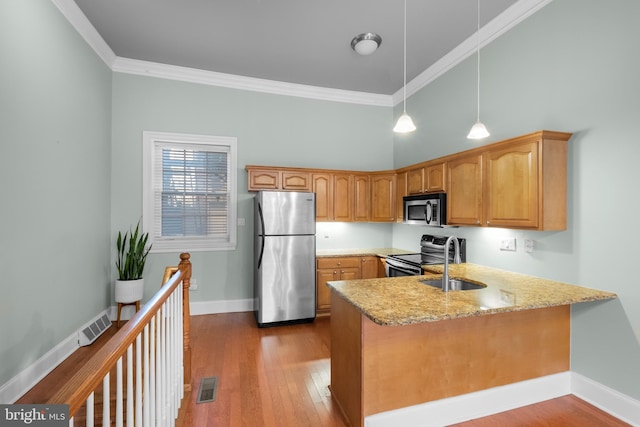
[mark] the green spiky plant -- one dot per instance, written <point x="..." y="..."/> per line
<point x="132" y="257"/>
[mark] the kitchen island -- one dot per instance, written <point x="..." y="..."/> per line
<point x="397" y="342"/>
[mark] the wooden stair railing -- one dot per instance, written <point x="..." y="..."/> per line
<point x="156" y="347"/>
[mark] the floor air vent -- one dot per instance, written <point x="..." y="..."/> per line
<point x="90" y="332"/>
<point x="208" y="389"/>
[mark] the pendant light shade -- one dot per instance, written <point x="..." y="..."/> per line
<point x="478" y="131"/>
<point x="404" y="124"/>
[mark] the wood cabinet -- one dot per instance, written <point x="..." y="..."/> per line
<point x="415" y="181"/>
<point x="464" y="198"/>
<point x="428" y="178"/>
<point x="330" y="269"/>
<point x="343" y="197"/>
<point x="434" y="177"/>
<point x="265" y="178"/>
<point x="361" y="198"/>
<point x="322" y="185"/>
<point x="518" y="183"/>
<point x="401" y="191"/>
<point x="383" y="198"/>
<point x="369" y="267"/>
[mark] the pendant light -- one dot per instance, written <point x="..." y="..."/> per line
<point x="479" y="130"/>
<point x="404" y="124"/>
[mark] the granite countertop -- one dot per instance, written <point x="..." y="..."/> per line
<point x="381" y="252"/>
<point x="401" y="301"/>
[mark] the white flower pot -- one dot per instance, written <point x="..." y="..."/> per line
<point x="129" y="290"/>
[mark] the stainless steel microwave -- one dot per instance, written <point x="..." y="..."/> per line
<point x="425" y="209"/>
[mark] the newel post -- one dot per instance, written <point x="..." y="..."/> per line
<point x="185" y="268"/>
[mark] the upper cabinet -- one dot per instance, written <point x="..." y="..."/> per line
<point x="267" y="178"/>
<point x="429" y="177"/>
<point x="464" y="198"/>
<point x="518" y="183"/>
<point x="383" y="197"/>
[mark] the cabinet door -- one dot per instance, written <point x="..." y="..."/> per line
<point x="342" y="197"/>
<point x="264" y="180"/>
<point x="362" y="199"/>
<point x="369" y="267"/>
<point x="415" y="181"/>
<point x="511" y="177"/>
<point x="323" y="293"/>
<point x="350" y="273"/>
<point x="323" y="187"/>
<point x="383" y="198"/>
<point x="401" y="191"/>
<point x="434" y="177"/>
<point x="464" y="195"/>
<point x="296" y="181"/>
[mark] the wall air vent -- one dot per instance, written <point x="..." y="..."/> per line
<point x="92" y="330"/>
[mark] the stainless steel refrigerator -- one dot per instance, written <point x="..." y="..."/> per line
<point x="285" y="257"/>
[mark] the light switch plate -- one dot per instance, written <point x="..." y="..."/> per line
<point x="508" y="244"/>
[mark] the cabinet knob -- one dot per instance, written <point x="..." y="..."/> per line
<point x="339" y="263"/>
<point x="335" y="272"/>
<point x="488" y="222"/>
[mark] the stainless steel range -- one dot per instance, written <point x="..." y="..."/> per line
<point x="431" y="252"/>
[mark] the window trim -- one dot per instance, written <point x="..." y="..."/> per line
<point x="186" y="244"/>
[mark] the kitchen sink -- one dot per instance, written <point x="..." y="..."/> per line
<point x="455" y="284"/>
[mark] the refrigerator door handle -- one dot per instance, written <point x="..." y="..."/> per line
<point x="261" y="235"/>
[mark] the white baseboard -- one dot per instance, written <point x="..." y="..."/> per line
<point x="499" y="399"/>
<point x="25" y="380"/>
<point x="215" y="307"/>
<point x="474" y="405"/>
<point x="613" y="402"/>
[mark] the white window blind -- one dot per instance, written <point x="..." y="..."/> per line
<point x="190" y="201"/>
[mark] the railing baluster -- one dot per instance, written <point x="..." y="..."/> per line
<point x="90" y="409"/>
<point x="153" y="347"/>
<point x="106" y="400"/>
<point x="119" y="408"/>
<point x="138" y="387"/>
<point x="145" y="381"/>
<point x="130" y="386"/>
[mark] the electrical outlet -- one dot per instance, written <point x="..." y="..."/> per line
<point x="508" y="244"/>
<point x="528" y="245"/>
<point x="241" y="222"/>
<point x="193" y="285"/>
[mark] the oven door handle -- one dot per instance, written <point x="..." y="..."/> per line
<point x="404" y="270"/>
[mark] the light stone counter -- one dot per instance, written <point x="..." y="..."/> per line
<point x="404" y="300"/>
<point x="381" y="252"/>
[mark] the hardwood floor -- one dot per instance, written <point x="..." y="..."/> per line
<point x="279" y="377"/>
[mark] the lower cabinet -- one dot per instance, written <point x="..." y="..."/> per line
<point x="329" y="269"/>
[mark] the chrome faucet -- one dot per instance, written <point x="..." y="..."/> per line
<point x="456" y="260"/>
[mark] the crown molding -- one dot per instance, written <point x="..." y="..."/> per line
<point x="494" y="29"/>
<point x="502" y="23"/>
<point x="192" y="75"/>
<point x="79" y="21"/>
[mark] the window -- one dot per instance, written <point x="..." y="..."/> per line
<point x="189" y="192"/>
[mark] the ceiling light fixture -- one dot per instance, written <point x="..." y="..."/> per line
<point x="366" y="43"/>
<point x="479" y="130"/>
<point x="404" y="124"/>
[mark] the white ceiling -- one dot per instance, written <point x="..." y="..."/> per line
<point x="297" y="41"/>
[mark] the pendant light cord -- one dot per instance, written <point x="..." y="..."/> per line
<point x="478" y="53"/>
<point x="404" y="86"/>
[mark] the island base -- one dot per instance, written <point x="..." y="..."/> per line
<point x="378" y="368"/>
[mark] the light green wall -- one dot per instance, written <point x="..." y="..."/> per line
<point x="55" y="98"/>
<point x="271" y="130"/>
<point x="573" y="66"/>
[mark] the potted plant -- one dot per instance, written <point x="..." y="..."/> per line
<point x="132" y="255"/>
